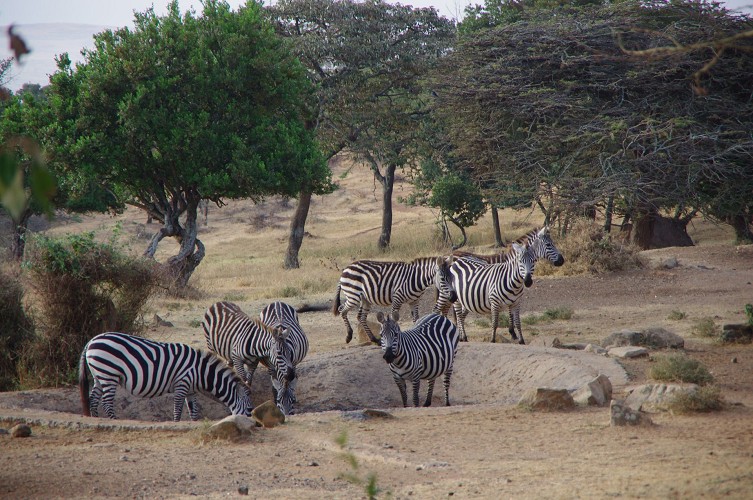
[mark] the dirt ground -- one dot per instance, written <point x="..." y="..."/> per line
<point x="481" y="447"/>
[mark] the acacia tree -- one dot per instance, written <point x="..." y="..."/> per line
<point x="553" y="105"/>
<point x="366" y="59"/>
<point x="188" y="108"/>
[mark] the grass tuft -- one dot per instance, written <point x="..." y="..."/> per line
<point x="705" y="327"/>
<point x="680" y="368"/>
<point x="705" y="399"/>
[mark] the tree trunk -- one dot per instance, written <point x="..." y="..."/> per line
<point x="742" y="225"/>
<point x="18" y="243"/>
<point x="297" y="230"/>
<point x="388" y="184"/>
<point x="651" y="230"/>
<point x="495" y="223"/>
<point x="608" y="214"/>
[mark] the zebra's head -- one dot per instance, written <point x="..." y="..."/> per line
<point x="285" y="396"/>
<point x="281" y="355"/>
<point x="524" y="258"/>
<point x="443" y="279"/>
<point x="389" y="333"/>
<point x="544" y="248"/>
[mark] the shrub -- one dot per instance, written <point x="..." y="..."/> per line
<point x="679" y="368"/>
<point x="749" y="313"/>
<point x="589" y="249"/>
<point x="82" y="288"/>
<point x="705" y="399"/>
<point x="677" y="316"/>
<point x="16" y="330"/>
<point x="705" y="327"/>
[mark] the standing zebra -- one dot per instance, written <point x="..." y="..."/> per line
<point x="423" y="352"/>
<point x="282" y="316"/>
<point x="146" y="368"/>
<point x="366" y="282"/>
<point x="244" y="342"/>
<point x="484" y="288"/>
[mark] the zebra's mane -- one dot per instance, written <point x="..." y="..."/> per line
<point x="527" y="237"/>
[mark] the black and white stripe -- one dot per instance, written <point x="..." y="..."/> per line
<point x="485" y="288"/>
<point x="146" y="368"/>
<point x="423" y="352"/>
<point x="282" y="316"/>
<point x="244" y="342"/>
<point x="366" y="282"/>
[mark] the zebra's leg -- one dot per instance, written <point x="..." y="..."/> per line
<point x="193" y="406"/>
<point x="108" y="399"/>
<point x="401" y="387"/>
<point x="347" y="306"/>
<point x="446" y="383"/>
<point x="363" y="313"/>
<point x="429" y="393"/>
<point x="460" y="315"/>
<point x="515" y="322"/>
<point x="414" y="311"/>
<point x="416" y="386"/>
<point x="181" y="395"/>
<point x="495" y="322"/>
<point x="94" y="397"/>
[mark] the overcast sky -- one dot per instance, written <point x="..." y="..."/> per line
<point x="33" y="18"/>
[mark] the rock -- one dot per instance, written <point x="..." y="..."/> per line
<point x="622" y="415"/>
<point x="20" y="431"/>
<point x="161" y="322"/>
<point x="3" y="432"/>
<point x="654" y="337"/>
<point x="668" y="263"/>
<point x="595" y="349"/>
<point x="655" y="397"/>
<point x="243" y="490"/>
<point x="547" y="399"/>
<point x="627" y="352"/>
<point x="595" y="393"/>
<point x="737" y="333"/>
<point x="268" y="415"/>
<point x="366" y="414"/>
<point x="231" y="428"/>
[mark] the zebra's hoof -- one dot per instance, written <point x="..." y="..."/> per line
<point x="349" y="337"/>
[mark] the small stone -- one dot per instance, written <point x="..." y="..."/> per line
<point x="20" y="431"/>
<point x="313" y="464"/>
<point x="243" y="490"/>
<point x="734" y="360"/>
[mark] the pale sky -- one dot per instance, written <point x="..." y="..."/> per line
<point x="75" y="21"/>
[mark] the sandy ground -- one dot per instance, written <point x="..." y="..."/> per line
<point x="481" y="447"/>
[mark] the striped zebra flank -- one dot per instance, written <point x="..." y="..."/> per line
<point x="485" y="288"/>
<point x="146" y="368"/>
<point x="366" y="282"/>
<point x="424" y="352"/>
<point x="245" y="342"/>
<point x="282" y="316"/>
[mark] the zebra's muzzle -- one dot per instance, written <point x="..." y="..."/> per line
<point x="389" y="356"/>
<point x="528" y="280"/>
<point x="560" y="260"/>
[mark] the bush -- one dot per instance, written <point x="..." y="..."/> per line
<point x="705" y="399"/>
<point x="705" y="327"/>
<point x="16" y="330"/>
<point x="589" y="249"/>
<point x="82" y="288"/>
<point x="679" y="368"/>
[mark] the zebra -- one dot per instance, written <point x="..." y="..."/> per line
<point x="542" y="246"/>
<point x="244" y="342"/>
<point x="484" y="288"/>
<point x="147" y="368"/>
<point x="284" y="317"/>
<point x="366" y="282"/>
<point x="423" y="352"/>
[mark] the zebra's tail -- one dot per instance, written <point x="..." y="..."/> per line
<point x="83" y="384"/>
<point x="336" y="305"/>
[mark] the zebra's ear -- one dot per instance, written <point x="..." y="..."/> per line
<point x="380" y="317"/>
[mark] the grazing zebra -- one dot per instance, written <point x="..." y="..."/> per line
<point x="282" y="316"/>
<point x="484" y="288"/>
<point x="146" y="368"/>
<point x="244" y="342"/>
<point x="423" y="352"/>
<point x="366" y="282"/>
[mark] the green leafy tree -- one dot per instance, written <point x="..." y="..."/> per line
<point x="185" y="108"/>
<point x="367" y="60"/>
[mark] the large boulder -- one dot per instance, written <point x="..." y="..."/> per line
<point x="653" y="337"/>
<point x="656" y="397"/>
<point x="547" y="399"/>
<point x="595" y="393"/>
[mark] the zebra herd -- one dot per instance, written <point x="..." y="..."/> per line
<point x="237" y="343"/>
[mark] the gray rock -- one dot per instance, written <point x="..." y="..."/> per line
<point x="231" y="428"/>
<point x="737" y="333"/>
<point x="595" y="349"/>
<point x="655" y="397"/>
<point x="547" y="399"/>
<point x="20" y="431"/>
<point x="654" y="337"/>
<point x="627" y="352"/>
<point x="595" y="393"/>
<point x="623" y="415"/>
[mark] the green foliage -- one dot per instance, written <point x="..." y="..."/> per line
<point x="83" y="287"/>
<point x="705" y="327"/>
<point x="706" y="399"/>
<point x="749" y="313"/>
<point x="677" y="316"/>
<point x="680" y="368"/>
<point x="369" y="482"/>
<point x="557" y="313"/>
